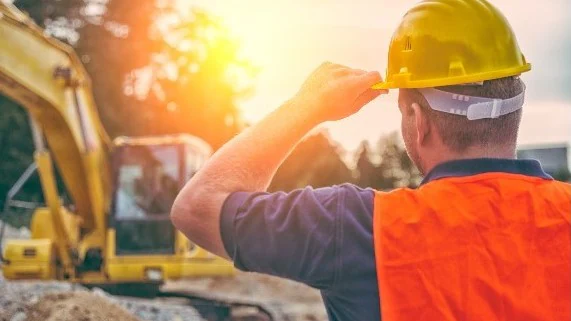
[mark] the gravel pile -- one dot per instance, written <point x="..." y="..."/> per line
<point x="72" y="306"/>
<point x="61" y="301"/>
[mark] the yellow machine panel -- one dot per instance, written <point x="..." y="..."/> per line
<point x="29" y="259"/>
<point x="42" y="225"/>
<point x="188" y="261"/>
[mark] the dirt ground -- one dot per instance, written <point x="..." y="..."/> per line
<point x="77" y="306"/>
<point x="298" y="301"/>
<point x="51" y="301"/>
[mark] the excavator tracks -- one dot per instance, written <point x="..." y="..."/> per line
<point x="213" y="307"/>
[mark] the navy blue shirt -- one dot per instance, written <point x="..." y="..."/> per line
<point x="324" y="237"/>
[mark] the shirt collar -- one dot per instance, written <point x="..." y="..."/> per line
<point x="470" y="167"/>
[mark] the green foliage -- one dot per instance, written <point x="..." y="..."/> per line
<point x="367" y="173"/>
<point x="318" y="162"/>
<point x="16" y="148"/>
<point x="563" y="175"/>
<point x="315" y="162"/>
<point x="392" y="169"/>
<point x="130" y="51"/>
<point x="155" y="70"/>
<point x="18" y="217"/>
<point x="201" y="76"/>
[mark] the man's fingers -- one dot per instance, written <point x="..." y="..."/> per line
<point x="345" y="71"/>
<point x="366" y="81"/>
<point x="369" y="79"/>
<point x="338" y="66"/>
<point x="342" y="87"/>
<point x="340" y="72"/>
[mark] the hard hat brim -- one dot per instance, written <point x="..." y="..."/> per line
<point x="381" y="85"/>
<point x="451" y="81"/>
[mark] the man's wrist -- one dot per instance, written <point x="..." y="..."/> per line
<point x="306" y="110"/>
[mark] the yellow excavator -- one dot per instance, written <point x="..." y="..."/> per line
<point x="115" y="233"/>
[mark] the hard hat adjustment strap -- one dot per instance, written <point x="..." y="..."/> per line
<point x="472" y="107"/>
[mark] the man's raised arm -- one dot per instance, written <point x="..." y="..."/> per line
<point x="248" y="162"/>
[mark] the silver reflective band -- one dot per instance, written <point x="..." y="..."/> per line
<point x="472" y="107"/>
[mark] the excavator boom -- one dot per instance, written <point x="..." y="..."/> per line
<point x="48" y="80"/>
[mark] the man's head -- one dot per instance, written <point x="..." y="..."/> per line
<point x="432" y="136"/>
<point x="439" y="47"/>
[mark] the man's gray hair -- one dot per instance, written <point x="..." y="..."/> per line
<point x="459" y="133"/>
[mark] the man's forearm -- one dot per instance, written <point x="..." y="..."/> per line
<point x="249" y="161"/>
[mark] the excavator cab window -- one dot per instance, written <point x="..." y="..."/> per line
<point x="148" y="180"/>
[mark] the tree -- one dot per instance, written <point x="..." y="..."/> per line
<point x="395" y="167"/>
<point x="97" y="32"/>
<point x="318" y="162"/>
<point x="155" y="69"/>
<point x="366" y="171"/>
<point x="315" y="162"/>
<point x="201" y="78"/>
<point x="16" y="148"/>
<point x="563" y="175"/>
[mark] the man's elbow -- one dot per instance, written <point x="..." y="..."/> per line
<point x="195" y="213"/>
<point x="184" y="211"/>
<point x="178" y="217"/>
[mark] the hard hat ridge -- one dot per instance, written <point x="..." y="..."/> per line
<point x="452" y="42"/>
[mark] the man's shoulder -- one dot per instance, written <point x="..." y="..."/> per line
<point x="344" y="195"/>
<point x="352" y="198"/>
<point x="345" y="186"/>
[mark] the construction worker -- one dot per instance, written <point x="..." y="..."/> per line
<point x="485" y="237"/>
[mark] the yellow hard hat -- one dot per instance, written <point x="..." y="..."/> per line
<point x="452" y="42"/>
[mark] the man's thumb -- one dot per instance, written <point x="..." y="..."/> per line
<point x="366" y="97"/>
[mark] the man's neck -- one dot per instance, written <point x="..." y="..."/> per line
<point x="500" y="152"/>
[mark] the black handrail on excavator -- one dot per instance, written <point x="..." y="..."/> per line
<point x="9" y="201"/>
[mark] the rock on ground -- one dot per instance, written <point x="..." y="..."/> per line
<point x="51" y="301"/>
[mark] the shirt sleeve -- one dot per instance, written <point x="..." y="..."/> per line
<point x="296" y="235"/>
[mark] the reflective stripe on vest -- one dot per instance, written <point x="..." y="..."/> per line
<point x="493" y="246"/>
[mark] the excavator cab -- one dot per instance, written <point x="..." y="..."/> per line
<point x="149" y="172"/>
<point x="142" y="243"/>
<point x="148" y="178"/>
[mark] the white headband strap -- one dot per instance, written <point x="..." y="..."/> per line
<point x="472" y="107"/>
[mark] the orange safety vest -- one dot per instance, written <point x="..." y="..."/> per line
<point x="493" y="246"/>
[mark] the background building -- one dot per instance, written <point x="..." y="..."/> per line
<point x="554" y="158"/>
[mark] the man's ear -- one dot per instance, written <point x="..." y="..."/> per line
<point x="421" y="124"/>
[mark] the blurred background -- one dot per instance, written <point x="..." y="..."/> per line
<point x="212" y="68"/>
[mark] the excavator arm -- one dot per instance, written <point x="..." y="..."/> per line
<point x="47" y="78"/>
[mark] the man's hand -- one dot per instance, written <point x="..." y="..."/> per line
<point x="249" y="161"/>
<point x="334" y="92"/>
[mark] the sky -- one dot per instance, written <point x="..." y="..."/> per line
<point x="288" y="39"/>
